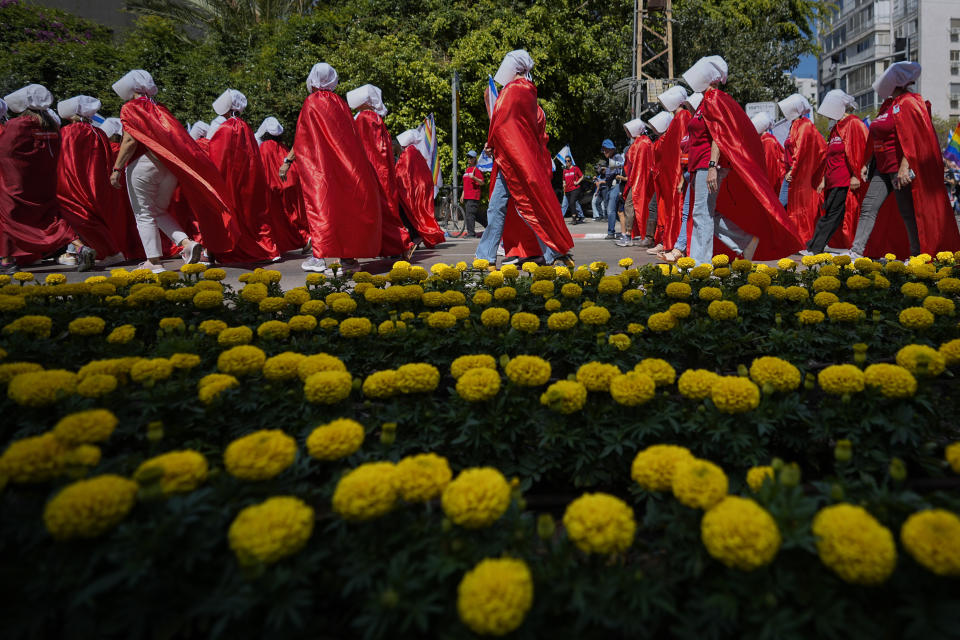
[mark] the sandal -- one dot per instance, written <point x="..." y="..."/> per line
<point x="670" y="256"/>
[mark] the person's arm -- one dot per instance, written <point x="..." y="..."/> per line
<point x="903" y="173"/>
<point x="128" y="147"/>
<point x="285" y="167"/>
<point x="713" y="184"/>
<point x="478" y="181"/>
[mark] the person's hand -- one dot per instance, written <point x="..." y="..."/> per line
<point x="713" y="184"/>
<point x="284" y="168"/>
<point x="820" y="186"/>
<point x="854" y="184"/>
<point x="115" y="180"/>
<point x="789" y="176"/>
<point x="863" y="174"/>
<point x="680" y="187"/>
<point x="903" y="176"/>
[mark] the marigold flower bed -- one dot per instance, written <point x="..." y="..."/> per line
<point x="725" y="450"/>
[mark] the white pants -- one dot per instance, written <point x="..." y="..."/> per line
<point x="151" y="186"/>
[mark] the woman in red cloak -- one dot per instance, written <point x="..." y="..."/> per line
<point x="157" y="154"/>
<point x="96" y="211"/>
<point x="805" y="150"/>
<point x="731" y="198"/>
<point x="415" y="188"/>
<point x="286" y="201"/>
<point x="3" y="115"/>
<point x="340" y="193"/>
<point x="775" y="156"/>
<point x="378" y="145"/>
<point x="840" y="184"/>
<point x="199" y="131"/>
<point x="909" y="166"/>
<point x="30" y="222"/>
<point x="640" y="180"/>
<point x="519" y="156"/>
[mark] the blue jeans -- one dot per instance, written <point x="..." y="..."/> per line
<point x="707" y="223"/>
<point x="566" y="204"/>
<point x="784" y="193"/>
<point x="612" y="194"/>
<point x="681" y="243"/>
<point x="599" y="203"/>
<point x="493" y="232"/>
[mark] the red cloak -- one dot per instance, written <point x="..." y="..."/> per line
<point x="807" y="150"/>
<point x="100" y="214"/>
<point x="517" y="139"/>
<point x="289" y="222"/>
<point x="415" y="188"/>
<point x="340" y="193"/>
<point x="669" y="178"/>
<point x="776" y="160"/>
<point x="640" y="182"/>
<point x="518" y="239"/>
<point x="233" y="149"/>
<point x="854" y="135"/>
<point x="746" y="196"/>
<point x="936" y="224"/>
<point x="210" y="200"/>
<point x="30" y="222"/>
<point x="378" y="146"/>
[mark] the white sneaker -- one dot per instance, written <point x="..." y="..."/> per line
<point x="829" y="249"/>
<point x="655" y="250"/>
<point x="315" y="264"/>
<point x="854" y="256"/>
<point x="500" y="251"/>
<point x="751" y="248"/>
<point x="155" y="268"/>
<point x="67" y="259"/>
<point x="109" y="261"/>
<point x="805" y="252"/>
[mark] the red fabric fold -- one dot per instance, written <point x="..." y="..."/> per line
<point x="775" y="158"/>
<point x="30" y="221"/>
<point x="288" y="220"/>
<point x="640" y="182"/>
<point x="517" y="137"/>
<point x="209" y="198"/>
<point x="415" y="188"/>
<point x="100" y="214"/>
<point x="746" y="196"/>
<point x="669" y="178"/>
<point x="854" y="135"/>
<point x="936" y="224"/>
<point x="378" y="146"/>
<point x="808" y="150"/>
<point x="340" y="196"/>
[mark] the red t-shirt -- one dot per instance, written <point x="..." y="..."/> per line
<point x="837" y="172"/>
<point x="685" y="151"/>
<point x="886" y="145"/>
<point x="471" y="190"/>
<point x="698" y="143"/>
<point x="570" y="176"/>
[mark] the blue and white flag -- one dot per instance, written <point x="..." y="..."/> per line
<point x="563" y="154"/>
<point x="490" y="96"/>
<point x="485" y="162"/>
<point x="97" y="119"/>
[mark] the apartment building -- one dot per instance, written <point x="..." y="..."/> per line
<point x="863" y="37"/>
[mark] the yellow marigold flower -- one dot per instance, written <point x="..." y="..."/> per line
<point x="417" y="377"/>
<point x="825" y="298"/>
<point x="528" y="371"/>
<point x="40" y="388"/>
<point x="380" y="384"/>
<point x="274" y="330"/>
<point x="659" y="370"/>
<point x="477" y="498"/>
<point x="504" y="293"/>
<point x="632" y="296"/>
<point x="37" y="326"/>
<point x="756" y="476"/>
<point x="634" y="328"/>
<point x="283" y="366"/>
<point x="89" y="508"/>
<point x="809" y="316"/>
<point x="679" y="310"/>
<point x="335" y="440"/>
<point x="843" y="312"/>
<point x="740" y="533"/>
<point x="952" y="455"/>
<point x="786" y="264"/>
<point x="442" y="320"/>
<point x="852" y="544"/>
<point x="84" y="455"/>
<point x="779" y="374"/>
<point x="596" y="376"/>
<point x="564" y="396"/>
<point x="327" y="387"/>
<point x="319" y="362"/>
<point x="720" y="260"/>
<point x="552" y="305"/>
<point x="214" y="274"/>
<point x="264" y="533"/>
<point x="544" y="288"/>
<point x="600" y="523"/>
<point x="342" y="305"/>
<point x="914" y="290"/>
<point x="260" y="455"/>
<point x="701" y="272"/>
<point x="460" y="312"/>
<point x="177" y="471"/>
<point x="208" y="299"/>
<point x="938" y="305"/>
<point x="494" y="597"/>
<point x="526" y="322"/>
<point x="495" y="317"/>
<point x="932" y="538"/>
<point x="571" y="290"/>
<point x="595" y="315"/>
<point x="55" y="278"/>
<point x="478" y="384"/>
<point x="211" y="386"/>
<point x="235" y="336"/>
<point x="355" y="327"/>
<point x="797" y="294"/>
<point x="562" y="321"/>
<point x="663" y="321"/>
<point x="696" y="383"/>
<point x="172" y="324"/>
<point x="423" y="477"/>
<point x="296" y="297"/>
<point x="85" y="427"/>
<point x="749" y="292"/>
<point x="632" y="389"/>
<point x="480" y="263"/>
<point x="949" y="285"/>
<point x="609" y="285"/>
<point x="11" y="303"/>
<point x="493" y="280"/>
<point x="11" y="369"/>
<point x="699" y="483"/>
<point x="722" y="310"/>
<point x="122" y="334"/>
<point x="892" y="380"/>
<point x="242" y="360"/>
<point x="680" y="290"/>
<point x="921" y="360"/>
<point x="856" y="283"/>
<point x="464" y="363"/>
<point x="313" y="307"/>
<point x="482" y="298"/>
<point x="97" y="385"/>
<point x="742" y="266"/>
<point x="916" y="318"/>
<point x="733" y="394"/>
<point x="949" y="350"/>
<point x="212" y="327"/>
<point x="619" y="340"/>
<point x="841" y="379"/>
<point x="90" y="326"/>
<point x="710" y="293"/>
<point x="254" y="293"/>
<point x="366" y="492"/>
<point x="829" y="271"/>
<point x="184" y="360"/>
<point x="33" y="459"/>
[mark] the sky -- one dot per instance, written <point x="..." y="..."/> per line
<point x="807" y="67"/>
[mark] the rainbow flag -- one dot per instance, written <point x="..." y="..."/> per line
<point x="952" y="152"/>
<point x="429" y="129"/>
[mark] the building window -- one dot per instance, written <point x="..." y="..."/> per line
<point x="955" y="104"/>
<point x="955" y="55"/>
<point x="860" y="79"/>
<point x="955" y="90"/>
<point x="955" y="70"/>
